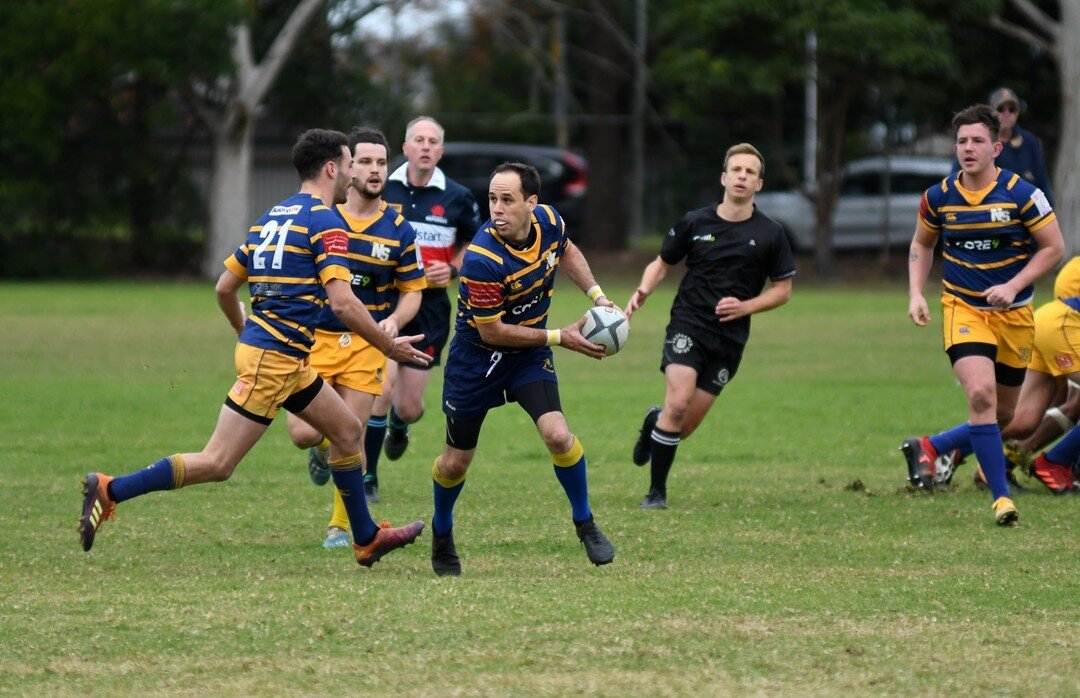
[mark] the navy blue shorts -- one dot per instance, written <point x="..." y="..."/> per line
<point x="476" y="379"/>
<point x="433" y="321"/>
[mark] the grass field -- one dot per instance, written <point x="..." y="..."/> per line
<point x="793" y="559"/>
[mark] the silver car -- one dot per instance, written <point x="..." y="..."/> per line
<point x="863" y="215"/>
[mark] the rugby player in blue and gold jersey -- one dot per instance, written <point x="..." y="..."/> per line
<point x="384" y="268"/>
<point x="295" y="260"/>
<point x="999" y="235"/>
<point x="501" y="351"/>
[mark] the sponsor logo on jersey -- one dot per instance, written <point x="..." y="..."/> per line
<point x="704" y="238"/>
<point x="336" y="242"/>
<point x="1063" y="361"/>
<point x="518" y="310"/>
<point x="548" y="366"/>
<point x="671" y="232"/>
<point x="722" y="377"/>
<point x="432" y="218"/>
<point x="361" y="280"/>
<point x="431" y="235"/>
<point x="964" y="330"/>
<point x="239" y="388"/>
<point x="396" y="207"/>
<point x="551" y="260"/>
<point x="951" y="217"/>
<point x="266" y="290"/>
<point x="450" y="406"/>
<point x="285" y="210"/>
<point x="753" y="242"/>
<point x="1024" y="355"/>
<point x="999" y="215"/>
<point x="515" y="286"/>
<point x="344" y="340"/>
<point x="1042" y="204"/>
<point x="438" y="210"/>
<point x="485" y="295"/>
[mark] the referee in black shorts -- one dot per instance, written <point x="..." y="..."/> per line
<point x="730" y="249"/>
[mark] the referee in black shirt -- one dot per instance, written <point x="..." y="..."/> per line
<point x="730" y="250"/>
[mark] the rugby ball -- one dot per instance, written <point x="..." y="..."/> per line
<point x="607" y="327"/>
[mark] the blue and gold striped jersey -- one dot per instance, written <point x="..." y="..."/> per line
<point x="295" y="248"/>
<point x="383" y="261"/>
<point x="499" y="282"/>
<point x="986" y="235"/>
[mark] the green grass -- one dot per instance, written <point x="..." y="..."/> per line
<point x="793" y="559"/>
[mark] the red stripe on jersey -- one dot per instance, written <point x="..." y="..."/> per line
<point x="485" y="295"/>
<point x="336" y="242"/>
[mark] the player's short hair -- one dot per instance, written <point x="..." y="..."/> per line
<point x="978" y="114"/>
<point x="315" y="148"/>
<point x="424" y="117"/>
<point x="745" y="149"/>
<point x="367" y="134"/>
<point x="529" y="176"/>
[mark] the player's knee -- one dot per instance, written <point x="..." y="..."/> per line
<point x="454" y="464"/>
<point x="346" y="435"/>
<point x="1004" y="414"/>
<point x="410" y="412"/>
<point x="982" y="400"/>
<point x="559" y="440"/>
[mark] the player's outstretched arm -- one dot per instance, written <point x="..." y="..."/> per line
<point x="357" y="318"/>
<point x="407" y="305"/>
<point x="498" y="333"/>
<point x="654" y="273"/>
<point x="226" y="289"/>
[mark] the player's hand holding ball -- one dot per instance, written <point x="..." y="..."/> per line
<point x="606" y="326"/>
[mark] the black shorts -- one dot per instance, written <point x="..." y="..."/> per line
<point x="433" y="321"/>
<point x="715" y="359"/>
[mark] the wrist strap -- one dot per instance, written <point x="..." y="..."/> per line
<point x="554" y="337"/>
<point x="594" y="292"/>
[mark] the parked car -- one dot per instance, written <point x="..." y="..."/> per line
<point x="860" y="210"/>
<point x="563" y="175"/>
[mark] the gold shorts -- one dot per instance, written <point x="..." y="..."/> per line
<point x="265" y="379"/>
<point x="1011" y="331"/>
<point x="345" y="358"/>
<point x="1057" y="340"/>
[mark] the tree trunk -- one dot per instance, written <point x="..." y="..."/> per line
<point x="605" y="209"/>
<point x="1067" y="167"/>
<point x="229" y="188"/>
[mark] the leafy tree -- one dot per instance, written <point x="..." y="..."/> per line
<point x="1060" y="38"/>
<point x="81" y="104"/>
<point x="752" y="56"/>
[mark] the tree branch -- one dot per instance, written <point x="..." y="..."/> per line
<point x="1025" y="35"/>
<point x="1040" y="19"/>
<point x="259" y="80"/>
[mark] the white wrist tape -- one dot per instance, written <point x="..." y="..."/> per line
<point x="1062" y="420"/>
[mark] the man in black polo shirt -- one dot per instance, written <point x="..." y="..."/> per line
<point x="730" y="249"/>
<point x="445" y="216"/>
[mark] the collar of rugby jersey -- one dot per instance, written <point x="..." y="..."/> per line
<point x="437" y="181"/>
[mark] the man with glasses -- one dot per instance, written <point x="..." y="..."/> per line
<point x="1021" y="151"/>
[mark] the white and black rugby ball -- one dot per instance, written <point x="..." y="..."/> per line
<point x="607" y="327"/>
